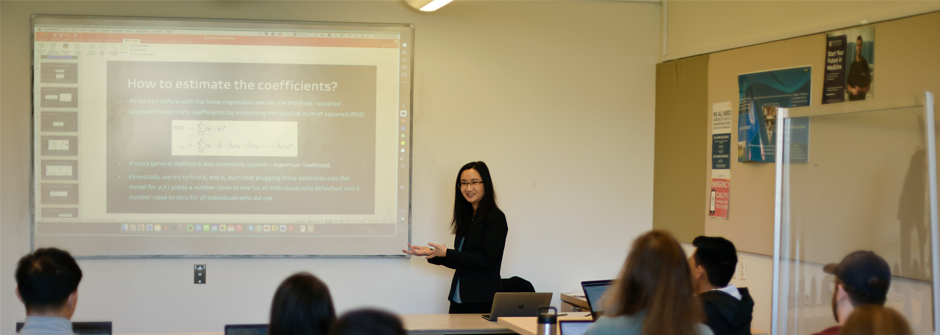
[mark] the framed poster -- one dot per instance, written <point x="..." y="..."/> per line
<point x="850" y="65"/>
<point x="761" y="93"/>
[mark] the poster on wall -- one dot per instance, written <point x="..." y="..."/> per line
<point x="760" y="94"/>
<point x="798" y="133"/>
<point x="718" y="198"/>
<point x="721" y="140"/>
<point x="719" y="195"/>
<point x="850" y="65"/>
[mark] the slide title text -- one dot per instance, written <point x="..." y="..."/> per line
<point x="195" y="84"/>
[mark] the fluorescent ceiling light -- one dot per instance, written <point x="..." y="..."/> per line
<point x="427" y="5"/>
<point x="434" y="5"/>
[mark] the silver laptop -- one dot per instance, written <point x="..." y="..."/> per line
<point x="518" y="304"/>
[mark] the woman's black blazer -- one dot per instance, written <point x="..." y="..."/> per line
<point x="477" y="264"/>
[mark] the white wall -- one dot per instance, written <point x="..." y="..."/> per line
<point x="700" y="27"/>
<point x="557" y="97"/>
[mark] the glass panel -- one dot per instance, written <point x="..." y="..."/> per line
<point x="853" y="181"/>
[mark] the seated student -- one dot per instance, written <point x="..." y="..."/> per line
<point x="653" y="294"/>
<point x="302" y="306"/>
<point x="728" y="309"/>
<point x="47" y="283"/>
<point x="862" y="278"/>
<point x="875" y="320"/>
<point x="368" y="322"/>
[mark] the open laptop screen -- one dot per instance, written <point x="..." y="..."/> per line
<point x="254" y="329"/>
<point x="573" y="327"/>
<point x="594" y="291"/>
<point x="83" y="328"/>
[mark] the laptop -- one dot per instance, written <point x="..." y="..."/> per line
<point x="253" y="329"/>
<point x="594" y="293"/>
<point x="518" y="304"/>
<point x="83" y="328"/>
<point x="573" y="327"/>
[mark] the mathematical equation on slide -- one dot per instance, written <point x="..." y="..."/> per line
<point x="234" y="138"/>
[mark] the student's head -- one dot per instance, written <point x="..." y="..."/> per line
<point x="656" y="279"/>
<point x="875" y="320"/>
<point x="858" y="45"/>
<point x="47" y="282"/>
<point x="713" y="262"/>
<point x="302" y="306"/>
<point x="368" y="322"/>
<point x="862" y="278"/>
<point x="474" y="196"/>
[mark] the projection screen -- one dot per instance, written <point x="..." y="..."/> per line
<point x="189" y="137"/>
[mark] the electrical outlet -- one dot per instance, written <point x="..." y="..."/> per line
<point x="199" y="275"/>
<point x="742" y="268"/>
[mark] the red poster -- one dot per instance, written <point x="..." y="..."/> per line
<point x="718" y="198"/>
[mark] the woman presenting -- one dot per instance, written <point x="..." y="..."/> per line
<point x="480" y="229"/>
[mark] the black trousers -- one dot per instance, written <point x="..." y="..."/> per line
<point x="483" y="307"/>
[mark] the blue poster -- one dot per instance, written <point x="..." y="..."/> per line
<point x="760" y="95"/>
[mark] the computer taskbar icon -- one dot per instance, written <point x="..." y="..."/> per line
<point x="220" y="228"/>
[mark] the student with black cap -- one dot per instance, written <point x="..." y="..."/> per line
<point x="862" y="278"/>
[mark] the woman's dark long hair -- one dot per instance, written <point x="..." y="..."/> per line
<point x="656" y="279"/>
<point x="302" y="306"/>
<point x="463" y="210"/>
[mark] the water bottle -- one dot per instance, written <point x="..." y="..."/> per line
<point x="547" y="322"/>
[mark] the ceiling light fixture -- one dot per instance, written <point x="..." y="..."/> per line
<point x="427" y="5"/>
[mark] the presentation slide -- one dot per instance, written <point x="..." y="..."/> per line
<point x="158" y="137"/>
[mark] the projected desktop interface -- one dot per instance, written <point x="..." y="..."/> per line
<point x="220" y="228"/>
<point x="146" y="130"/>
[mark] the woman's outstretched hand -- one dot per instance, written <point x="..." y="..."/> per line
<point x="440" y="250"/>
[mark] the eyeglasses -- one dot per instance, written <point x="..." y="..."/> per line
<point x="473" y="183"/>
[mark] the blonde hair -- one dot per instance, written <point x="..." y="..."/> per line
<point x="875" y="320"/>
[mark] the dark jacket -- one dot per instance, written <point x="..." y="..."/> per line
<point x="725" y="314"/>
<point x="479" y="260"/>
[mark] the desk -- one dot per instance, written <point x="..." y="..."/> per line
<point x="422" y="324"/>
<point x="573" y="302"/>
<point x="526" y="325"/>
<point x="451" y="324"/>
